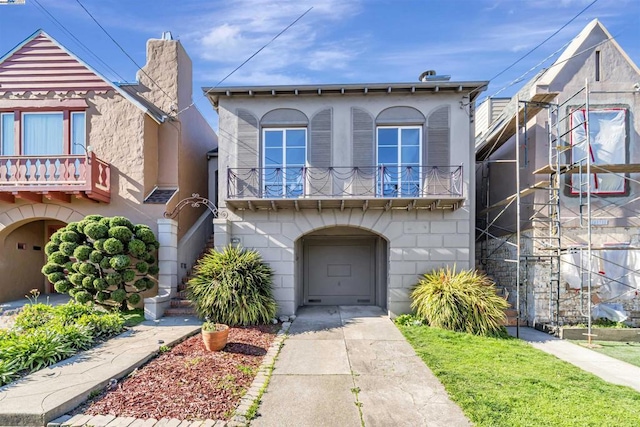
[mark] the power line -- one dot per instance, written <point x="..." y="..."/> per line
<point x="545" y="40"/>
<point x="542" y="42"/>
<point x="246" y="60"/>
<point x="121" y="48"/>
<point x="86" y="49"/>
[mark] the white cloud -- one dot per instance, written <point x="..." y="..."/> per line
<point x="234" y="31"/>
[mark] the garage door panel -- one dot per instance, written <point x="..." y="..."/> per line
<point x="340" y="272"/>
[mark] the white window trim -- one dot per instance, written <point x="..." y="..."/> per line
<point x="420" y="155"/>
<point x="284" y="152"/>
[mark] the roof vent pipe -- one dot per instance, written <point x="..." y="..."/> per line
<point x="430" y="76"/>
<point x="166" y="35"/>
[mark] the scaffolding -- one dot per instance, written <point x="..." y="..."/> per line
<point x="544" y="247"/>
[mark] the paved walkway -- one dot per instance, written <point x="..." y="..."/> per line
<point x="609" y="369"/>
<point x="350" y="366"/>
<point x="53" y="391"/>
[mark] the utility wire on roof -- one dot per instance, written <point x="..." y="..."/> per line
<point x="543" y="42"/>
<point x="121" y="48"/>
<point x="89" y="51"/>
<point x="246" y="60"/>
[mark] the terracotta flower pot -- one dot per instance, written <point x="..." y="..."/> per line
<point x="215" y="340"/>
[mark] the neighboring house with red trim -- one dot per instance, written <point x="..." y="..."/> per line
<point x="349" y="191"/>
<point x="73" y="143"/>
<point x="557" y="140"/>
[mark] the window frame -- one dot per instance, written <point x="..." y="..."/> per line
<point x="399" y="166"/>
<point x="69" y="115"/>
<point x="13" y="132"/>
<point x="284" y="193"/>
<point x="573" y="190"/>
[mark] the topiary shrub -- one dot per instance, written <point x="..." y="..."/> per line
<point x="465" y="302"/>
<point x="92" y="260"/>
<point x="232" y="286"/>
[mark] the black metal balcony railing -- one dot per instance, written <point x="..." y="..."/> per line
<point x="344" y="182"/>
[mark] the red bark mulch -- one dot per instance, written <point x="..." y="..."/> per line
<point x="189" y="382"/>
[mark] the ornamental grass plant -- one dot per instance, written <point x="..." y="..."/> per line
<point x="233" y="287"/>
<point x="464" y="301"/>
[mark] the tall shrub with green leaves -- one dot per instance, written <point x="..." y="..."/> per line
<point x="465" y="301"/>
<point x="232" y="286"/>
<point x="107" y="260"/>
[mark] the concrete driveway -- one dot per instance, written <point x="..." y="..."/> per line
<point x="350" y="366"/>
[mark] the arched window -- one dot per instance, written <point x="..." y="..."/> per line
<point x="399" y="151"/>
<point x="284" y="152"/>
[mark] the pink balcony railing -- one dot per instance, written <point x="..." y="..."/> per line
<point x="55" y="177"/>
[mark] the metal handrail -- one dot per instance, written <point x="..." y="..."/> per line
<point x="344" y="181"/>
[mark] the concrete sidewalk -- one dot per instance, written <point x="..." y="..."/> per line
<point x="51" y="392"/>
<point x="342" y="366"/>
<point x="609" y="369"/>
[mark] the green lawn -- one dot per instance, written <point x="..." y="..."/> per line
<point x="627" y="352"/>
<point x="506" y="382"/>
<point x="133" y="317"/>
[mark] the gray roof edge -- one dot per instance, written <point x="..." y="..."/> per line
<point x="468" y="85"/>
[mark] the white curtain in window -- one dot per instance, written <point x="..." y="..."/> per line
<point x="78" y="143"/>
<point x="42" y="134"/>
<point x="6" y="137"/>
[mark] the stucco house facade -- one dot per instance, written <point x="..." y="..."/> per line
<point x="72" y="143"/>
<point x="349" y="192"/>
<point x="583" y="108"/>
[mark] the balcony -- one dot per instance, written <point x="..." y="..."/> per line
<point x="382" y="187"/>
<point x="57" y="177"/>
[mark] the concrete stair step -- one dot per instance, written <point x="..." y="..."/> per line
<point x="179" y="311"/>
<point x="180" y="303"/>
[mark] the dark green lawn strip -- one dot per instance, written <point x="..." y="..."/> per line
<point x="506" y="382"/>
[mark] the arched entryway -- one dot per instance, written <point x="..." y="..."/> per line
<point x="22" y="248"/>
<point x="342" y="266"/>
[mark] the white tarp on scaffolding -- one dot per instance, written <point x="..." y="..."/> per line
<point x="607" y="134"/>
<point x="611" y="311"/>
<point x="573" y="268"/>
<point x="615" y="272"/>
<point x="620" y="269"/>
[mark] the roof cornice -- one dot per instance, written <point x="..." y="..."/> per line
<point x="472" y="88"/>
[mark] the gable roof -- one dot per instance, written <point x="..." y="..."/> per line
<point x="577" y="47"/>
<point x="535" y="91"/>
<point x="40" y="64"/>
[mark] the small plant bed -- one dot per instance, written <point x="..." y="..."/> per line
<point x="506" y="382"/>
<point x="187" y="382"/>
<point x="626" y="351"/>
<point x="43" y="335"/>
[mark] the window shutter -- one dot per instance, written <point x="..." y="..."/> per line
<point x="319" y="152"/>
<point x="247" y="184"/>
<point x="363" y="140"/>
<point x="438" y="145"/>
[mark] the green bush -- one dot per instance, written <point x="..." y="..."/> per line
<point x="113" y="246"/>
<point x="44" y="335"/>
<point x="82" y="252"/>
<point x="465" y="302"/>
<point x="34" y="315"/>
<point x="233" y="287"/>
<point x="120" y="262"/>
<point x="91" y="260"/>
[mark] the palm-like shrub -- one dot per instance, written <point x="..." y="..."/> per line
<point x="465" y="302"/>
<point x="105" y="260"/>
<point x="232" y="286"/>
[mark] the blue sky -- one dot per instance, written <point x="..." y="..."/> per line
<point x="339" y="41"/>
